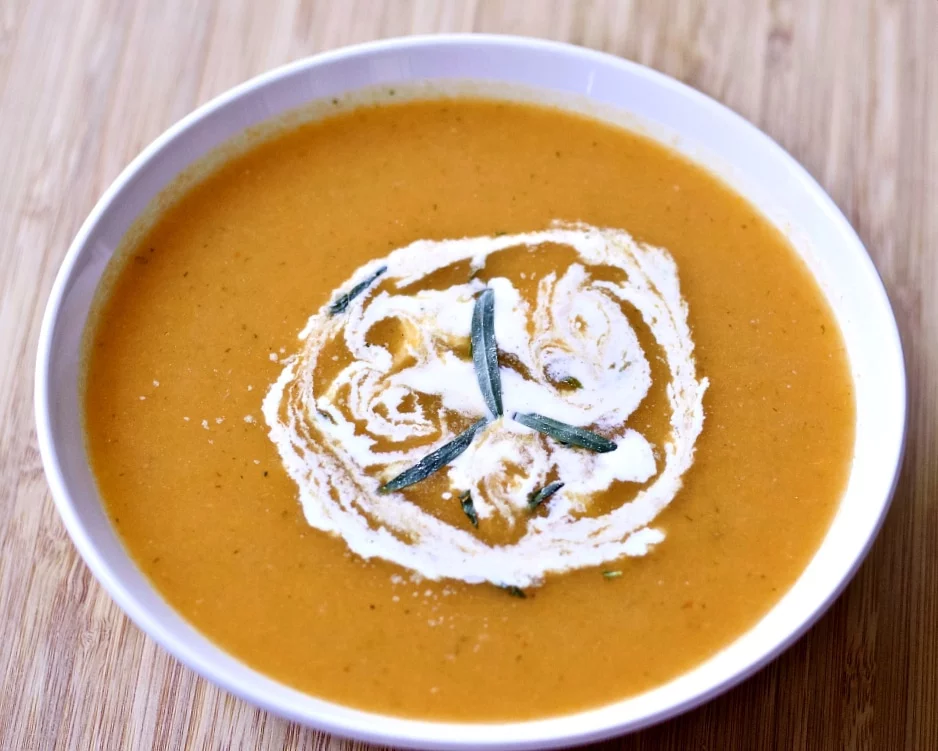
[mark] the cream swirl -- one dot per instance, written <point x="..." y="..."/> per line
<point x="394" y="402"/>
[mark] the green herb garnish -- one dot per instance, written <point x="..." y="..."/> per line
<point x="537" y="498"/>
<point x="612" y="574"/>
<point x="485" y="351"/>
<point x="433" y="461"/>
<point x="468" y="508"/>
<point x="513" y="590"/>
<point x="343" y="300"/>
<point x="569" y="383"/>
<point x="564" y="433"/>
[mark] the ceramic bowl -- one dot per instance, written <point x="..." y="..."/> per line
<point x="690" y="122"/>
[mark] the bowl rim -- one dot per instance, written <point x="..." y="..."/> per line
<point x="547" y="732"/>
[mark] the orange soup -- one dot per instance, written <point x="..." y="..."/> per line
<point x="465" y="409"/>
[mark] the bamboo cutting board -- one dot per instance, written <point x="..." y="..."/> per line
<point x="849" y="87"/>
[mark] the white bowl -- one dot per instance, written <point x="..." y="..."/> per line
<point x="689" y="121"/>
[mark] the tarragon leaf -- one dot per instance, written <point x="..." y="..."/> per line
<point x="537" y="498"/>
<point x="564" y="433"/>
<point x="468" y="507"/>
<point x="343" y="300"/>
<point x="485" y="351"/>
<point x="513" y="590"/>
<point x="433" y="461"/>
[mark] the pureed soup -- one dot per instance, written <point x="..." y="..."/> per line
<point x="466" y="409"/>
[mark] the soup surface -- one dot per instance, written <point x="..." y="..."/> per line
<point x="307" y="323"/>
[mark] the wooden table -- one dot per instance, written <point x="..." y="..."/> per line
<point x="849" y="87"/>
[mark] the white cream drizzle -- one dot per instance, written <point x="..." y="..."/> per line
<point x="328" y="434"/>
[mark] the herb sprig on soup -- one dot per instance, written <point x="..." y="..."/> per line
<point x="410" y="362"/>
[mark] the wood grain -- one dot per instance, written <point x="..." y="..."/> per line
<point x="850" y="87"/>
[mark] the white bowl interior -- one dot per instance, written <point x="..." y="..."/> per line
<point x="691" y="122"/>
